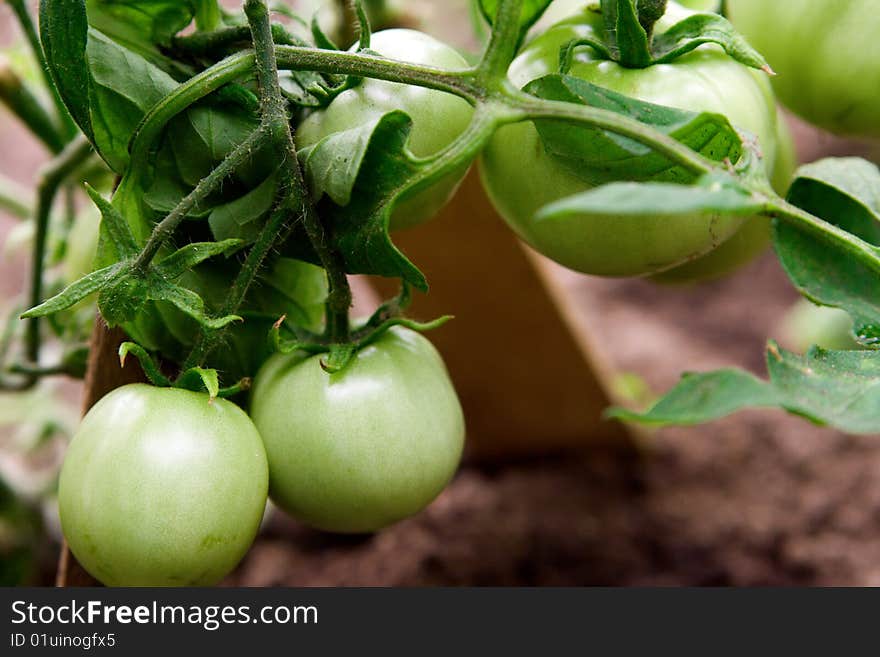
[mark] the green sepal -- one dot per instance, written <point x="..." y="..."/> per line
<point x="149" y="366"/>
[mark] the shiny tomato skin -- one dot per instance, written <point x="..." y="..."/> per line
<point x="162" y="487"/>
<point x="360" y="449"/>
<point x="826" y="56"/>
<point x="520" y="177"/>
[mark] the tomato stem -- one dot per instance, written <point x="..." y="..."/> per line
<point x="51" y="179"/>
<point x="864" y="252"/>
<point x="22" y="102"/>
<point x="502" y="45"/>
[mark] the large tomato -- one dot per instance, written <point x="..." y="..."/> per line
<point x="365" y="447"/>
<point x="826" y="56"/>
<point x="162" y="487"/>
<point x="520" y="177"/>
<point x="438" y="117"/>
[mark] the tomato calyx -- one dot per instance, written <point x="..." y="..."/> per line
<point x="195" y="379"/>
<point x="629" y="37"/>
<point x="339" y="353"/>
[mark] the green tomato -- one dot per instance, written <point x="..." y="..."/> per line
<point x="807" y="324"/>
<point x="826" y="56"/>
<point x="438" y="118"/>
<point x="521" y="177"/>
<point x="162" y="487"/>
<point x="360" y="449"/>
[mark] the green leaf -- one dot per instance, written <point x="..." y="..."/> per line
<point x="385" y="173"/>
<point x="714" y="195"/>
<point x="631" y="43"/>
<point x="76" y="291"/>
<point x="332" y="165"/>
<point x="700" y="398"/>
<point x="143" y="26"/>
<point x="531" y="11"/>
<point x="114" y="225"/>
<point x="199" y="379"/>
<point x="239" y="218"/>
<point x="694" y="31"/>
<point x="837" y="388"/>
<point x="124" y="87"/>
<point x="187" y="301"/>
<point x="149" y="367"/>
<point x="189" y="256"/>
<point x="598" y="156"/>
<point x="844" y="192"/>
<point x="63" y="33"/>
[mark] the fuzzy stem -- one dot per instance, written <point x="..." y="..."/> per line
<point x="274" y="113"/>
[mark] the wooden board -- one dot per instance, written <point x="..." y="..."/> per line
<point x="520" y="356"/>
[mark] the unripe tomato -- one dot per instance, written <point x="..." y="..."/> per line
<point x="826" y="56"/>
<point x="162" y="487"/>
<point x="363" y="448"/>
<point x="520" y="177"/>
<point x="438" y="117"/>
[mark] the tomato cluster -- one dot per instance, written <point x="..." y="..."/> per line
<point x="164" y="486"/>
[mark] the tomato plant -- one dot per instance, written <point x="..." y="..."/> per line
<point x="162" y="487"/>
<point x="826" y="56"/>
<point x="245" y="167"/>
<point x="521" y="177"/>
<point x="365" y="447"/>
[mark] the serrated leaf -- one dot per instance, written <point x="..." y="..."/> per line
<point x="598" y="156"/>
<point x="121" y="300"/>
<point x="714" y="195"/>
<point x="76" y="291"/>
<point x="386" y="173"/>
<point x="844" y="193"/>
<point x="694" y="31"/>
<point x="837" y="388"/>
<point x="187" y="257"/>
<point x="186" y="301"/>
<point x="114" y="225"/>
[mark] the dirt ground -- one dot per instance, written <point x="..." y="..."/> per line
<point x="757" y="499"/>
